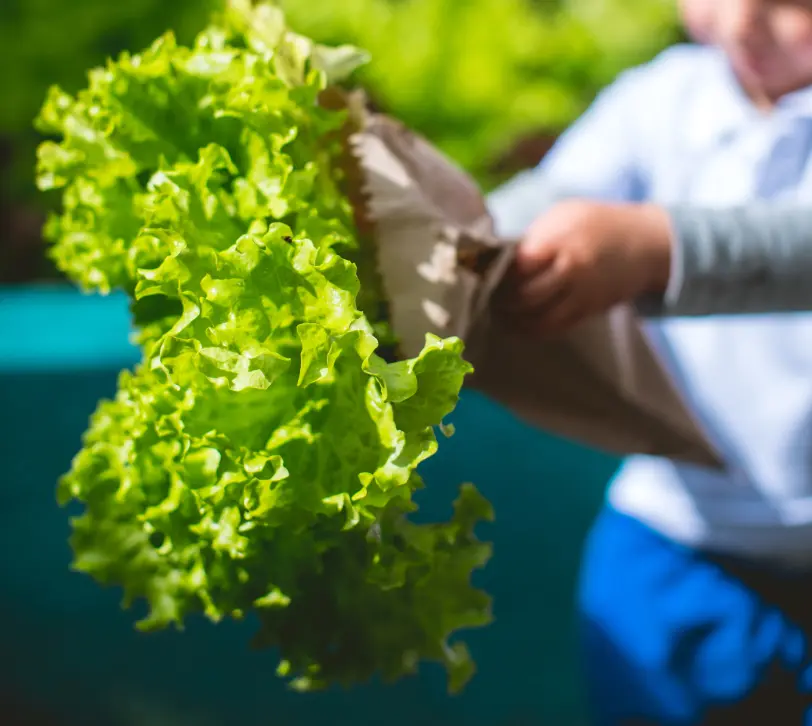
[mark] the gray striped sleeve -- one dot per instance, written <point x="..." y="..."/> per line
<point x="741" y="260"/>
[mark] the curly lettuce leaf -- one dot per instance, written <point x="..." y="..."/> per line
<point x="263" y="456"/>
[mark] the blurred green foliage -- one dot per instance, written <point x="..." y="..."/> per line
<point x="43" y="42"/>
<point x="474" y="76"/>
<point x="477" y="75"/>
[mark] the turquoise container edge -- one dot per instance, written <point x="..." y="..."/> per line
<point x="66" y="645"/>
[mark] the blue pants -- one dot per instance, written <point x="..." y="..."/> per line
<point x="674" y="637"/>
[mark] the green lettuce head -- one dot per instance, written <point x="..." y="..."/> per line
<point x="262" y="457"/>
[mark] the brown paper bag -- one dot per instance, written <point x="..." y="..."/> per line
<point x="440" y="260"/>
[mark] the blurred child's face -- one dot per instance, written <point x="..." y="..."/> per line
<point x="768" y="42"/>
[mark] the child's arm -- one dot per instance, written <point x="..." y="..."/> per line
<point x="753" y="259"/>
<point x="582" y="258"/>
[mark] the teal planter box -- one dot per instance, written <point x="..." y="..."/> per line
<point x="66" y="645"/>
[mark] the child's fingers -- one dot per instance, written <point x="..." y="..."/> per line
<point x="534" y="255"/>
<point x="531" y="282"/>
<point x="540" y="291"/>
<point x="517" y="295"/>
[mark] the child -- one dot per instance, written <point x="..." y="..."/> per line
<point x="696" y="594"/>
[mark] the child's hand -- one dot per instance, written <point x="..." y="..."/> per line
<point x="583" y="258"/>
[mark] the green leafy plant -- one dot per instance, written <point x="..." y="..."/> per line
<point x="262" y="458"/>
<point x="56" y="41"/>
<point x="43" y="42"/>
